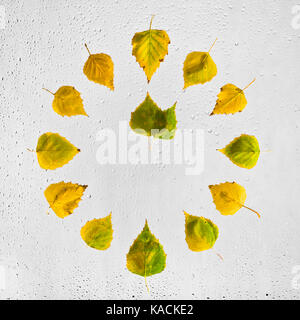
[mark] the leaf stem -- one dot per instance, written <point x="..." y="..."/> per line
<point x="48" y="91"/>
<point x="249" y="84"/>
<point x="226" y="196"/>
<point x="87" y="49"/>
<point x="149" y="143"/>
<point x="251" y="210"/>
<point x="151" y="21"/>
<point x="146" y="284"/>
<point x="212" y="45"/>
<point x="30" y="150"/>
<point x="220" y="256"/>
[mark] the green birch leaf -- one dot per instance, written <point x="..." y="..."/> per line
<point x="243" y="151"/>
<point x="148" y="119"/>
<point x="98" y="233"/>
<point x="146" y="256"/>
<point x="200" y="233"/>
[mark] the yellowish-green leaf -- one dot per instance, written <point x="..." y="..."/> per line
<point x="243" y="151"/>
<point x="98" y="233"/>
<point x="231" y="99"/>
<point x="67" y="102"/>
<point x="198" y="67"/>
<point x="100" y="69"/>
<point x="229" y="197"/>
<point x="150" y="47"/>
<point x="146" y="256"/>
<point x="200" y="233"/>
<point x="148" y="119"/>
<point x="63" y="197"/>
<point x="54" y="151"/>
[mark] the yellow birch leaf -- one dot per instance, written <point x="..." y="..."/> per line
<point x="231" y="99"/>
<point x="229" y="197"/>
<point x="200" y="233"/>
<point x="67" y="102"/>
<point x="146" y="255"/>
<point x="98" y="233"/>
<point x="198" y="67"/>
<point x="63" y="197"/>
<point x="150" y="47"/>
<point x="100" y="68"/>
<point x="54" y="151"/>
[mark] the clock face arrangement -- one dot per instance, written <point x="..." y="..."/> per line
<point x="146" y="256"/>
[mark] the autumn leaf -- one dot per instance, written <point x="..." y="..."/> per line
<point x="63" y="197"/>
<point x="54" y="151"/>
<point x="198" y="67"/>
<point x="98" y="233"/>
<point x="200" y="233"/>
<point x="67" y="102"/>
<point x="231" y="99"/>
<point x="148" y="119"/>
<point x="100" y="68"/>
<point x="229" y="197"/>
<point x="243" y="151"/>
<point x="150" y="47"/>
<point x="146" y="256"/>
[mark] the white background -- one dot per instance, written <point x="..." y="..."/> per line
<point x="42" y="45"/>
